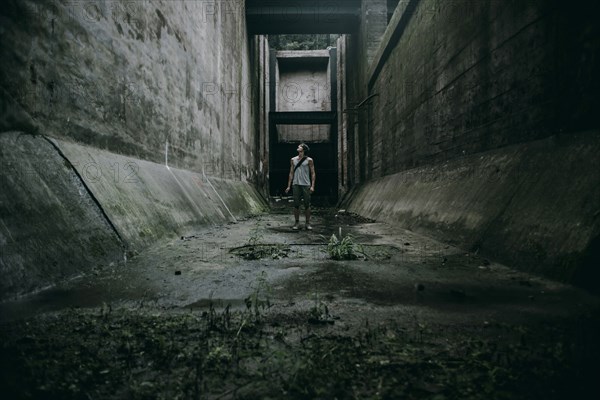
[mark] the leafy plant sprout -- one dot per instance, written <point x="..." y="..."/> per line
<point x="343" y="249"/>
<point x="255" y="235"/>
<point x="260" y="298"/>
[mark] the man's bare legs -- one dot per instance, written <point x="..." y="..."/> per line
<point x="297" y="217"/>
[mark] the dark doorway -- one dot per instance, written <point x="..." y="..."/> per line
<point x="303" y="98"/>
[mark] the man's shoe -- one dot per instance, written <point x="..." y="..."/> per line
<point x="296" y="227"/>
<point x="308" y="227"/>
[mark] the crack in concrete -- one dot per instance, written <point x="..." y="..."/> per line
<point x="90" y="193"/>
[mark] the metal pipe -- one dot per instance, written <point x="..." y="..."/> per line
<point x="362" y="103"/>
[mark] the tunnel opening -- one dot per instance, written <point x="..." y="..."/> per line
<point x="303" y="109"/>
<point x="139" y="142"/>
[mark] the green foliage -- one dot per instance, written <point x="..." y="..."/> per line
<point x="260" y="298"/>
<point x="302" y="42"/>
<point x="260" y="251"/>
<point x="319" y="312"/>
<point x="255" y="235"/>
<point x="174" y="355"/>
<point x="255" y="250"/>
<point x="341" y="249"/>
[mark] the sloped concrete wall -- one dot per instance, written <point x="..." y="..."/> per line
<point x="534" y="206"/>
<point x="50" y="226"/>
<point x="114" y="92"/>
<point x="147" y="201"/>
<point x="66" y="208"/>
<point x="483" y="130"/>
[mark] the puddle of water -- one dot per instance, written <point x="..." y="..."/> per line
<point x="52" y="300"/>
<point x="55" y="299"/>
<point x="348" y="281"/>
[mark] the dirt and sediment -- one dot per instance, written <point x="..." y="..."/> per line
<point x="253" y="309"/>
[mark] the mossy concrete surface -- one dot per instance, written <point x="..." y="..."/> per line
<point x="533" y="205"/>
<point x="147" y="201"/>
<point x="397" y="273"/>
<point x="128" y="76"/>
<point x="66" y="208"/>
<point x="411" y="318"/>
<point x="50" y="226"/>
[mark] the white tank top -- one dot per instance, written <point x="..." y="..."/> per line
<point x="302" y="174"/>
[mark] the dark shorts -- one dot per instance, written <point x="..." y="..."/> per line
<point x="301" y="191"/>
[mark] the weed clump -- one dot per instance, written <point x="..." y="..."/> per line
<point x="260" y="251"/>
<point x="255" y="250"/>
<point x="150" y="353"/>
<point x="343" y="249"/>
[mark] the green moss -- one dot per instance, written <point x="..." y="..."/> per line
<point x="108" y="354"/>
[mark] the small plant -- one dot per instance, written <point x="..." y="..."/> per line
<point x="260" y="298"/>
<point x="219" y="355"/>
<point x="255" y="250"/>
<point x="259" y="251"/>
<point x="343" y="249"/>
<point x="319" y="313"/>
<point x="255" y="235"/>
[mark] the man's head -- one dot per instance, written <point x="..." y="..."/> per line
<point x="303" y="149"/>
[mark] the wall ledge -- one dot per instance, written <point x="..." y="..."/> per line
<point x="395" y="29"/>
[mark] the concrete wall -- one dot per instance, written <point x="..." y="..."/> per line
<point x="469" y="76"/>
<point x="357" y="53"/>
<point x="50" y="226"/>
<point x="372" y="28"/>
<point x="128" y="76"/>
<point x="304" y="133"/>
<point x="533" y="206"/>
<point x="66" y="208"/>
<point x="496" y="87"/>
<point x="304" y="90"/>
<point x="121" y="123"/>
<point x="261" y="97"/>
<point x="146" y="201"/>
<point x="342" y="115"/>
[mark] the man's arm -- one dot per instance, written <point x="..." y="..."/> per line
<point x="313" y="175"/>
<point x="291" y="176"/>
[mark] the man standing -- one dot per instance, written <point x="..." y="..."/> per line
<point x="302" y="182"/>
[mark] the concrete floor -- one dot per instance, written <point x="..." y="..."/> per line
<point x="400" y="276"/>
<point x="409" y="318"/>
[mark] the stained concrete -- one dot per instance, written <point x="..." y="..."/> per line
<point x="128" y="76"/>
<point x="405" y="276"/>
<point x="438" y="297"/>
<point x="121" y="90"/>
<point x="463" y="77"/>
<point x="68" y="208"/>
<point x="480" y="129"/>
<point x="519" y="204"/>
<point x="147" y="201"/>
<point x="51" y="228"/>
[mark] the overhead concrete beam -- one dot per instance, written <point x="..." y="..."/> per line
<point x="310" y="16"/>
